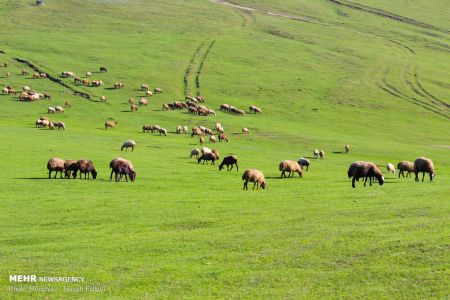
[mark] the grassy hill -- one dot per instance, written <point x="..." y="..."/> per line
<point x="324" y="74"/>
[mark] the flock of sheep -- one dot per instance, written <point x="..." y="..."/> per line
<point x="121" y="167"/>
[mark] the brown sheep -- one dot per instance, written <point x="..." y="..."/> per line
<point x="405" y="166"/>
<point x="216" y="153"/>
<point x="68" y="104"/>
<point x="229" y="161"/>
<point x="86" y="167"/>
<point x="120" y="167"/>
<point x="70" y="165"/>
<point x="362" y="169"/>
<point x="134" y="107"/>
<point x="196" y="131"/>
<point x="245" y="131"/>
<point x="347" y="148"/>
<point x="223" y="137"/>
<point x="321" y="154"/>
<point x="146" y="128"/>
<point x="165" y="106"/>
<point x="110" y="124"/>
<point x="157" y="91"/>
<point x="201" y="140"/>
<point x="118" y="85"/>
<point x="206" y="157"/>
<point x="255" y="176"/>
<point x="291" y="167"/>
<point x="55" y="164"/>
<point x="424" y="165"/>
<point x="25" y="72"/>
<point x="131" y="101"/>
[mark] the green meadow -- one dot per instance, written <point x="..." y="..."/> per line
<point x="324" y="74"/>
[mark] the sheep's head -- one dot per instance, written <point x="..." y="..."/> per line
<point x="132" y="175"/>
<point x="380" y="179"/>
<point x="94" y="173"/>
<point x="263" y="185"/>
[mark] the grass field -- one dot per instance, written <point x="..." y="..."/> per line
<point x="324" y="74"/>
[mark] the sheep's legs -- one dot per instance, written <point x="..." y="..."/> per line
<point x="110" y="176"/>
<point x="254" y="184"/>
<point x="365" y="181"/>
<point x="49" y="174"/>
<point x="353" y="182"/>
<point x="423" y="176"/>
<point x="245" y="185"/>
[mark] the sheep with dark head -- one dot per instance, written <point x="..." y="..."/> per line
<point x="128" y="144"/>
<point x="405" y="166"/>
<point x="207" y="157"/>
<point x="70" y="165"/>
<point x="362" y="169"/>
<point x="303" y="162"/>
<point x="424" y="165"/>
<point x="229" y="161"/>
<point x="86" y="167"/>
<point x="122" y="167"/>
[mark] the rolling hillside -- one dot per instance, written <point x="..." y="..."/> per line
<point x="324" y="74"/>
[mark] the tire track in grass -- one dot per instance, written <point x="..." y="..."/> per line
<point x="419" y="85"/>
<point x="188" y="70"/>
<point x="386" y="14"/>
<point x="200" y="68"/>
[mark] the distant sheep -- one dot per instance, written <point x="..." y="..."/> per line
<point x="163" y="131"/>
<point x="88" y="74"/>
<point x="405" y="166"/>
<point x="207" y="157"/>
<point x="206" y="150"/>
<point x="201" y="140"/>
<point x="103" y="98"/>
<point x="390" y="168"/>
<point x="103" y="69"/>
<point x="195" y="152"/>
<point x="110" y="124"/>
<point x="178" y="130"/>
<point x="424" y="165"/>
<point x="245" y="130"/>
<point x="229" y="161"/>
<point x="216" y="153"/>
<point x="347" y="148"/>
<point x="86" y="167"/>
<point x="185" y="129"/>
<point x="51" y="110"/>
<point x="134" y="107"/>
<point x="60" y="125"/>
<point x="55" y="164"/>
<point x="143" y="101"/>
<point x="255" y="176"/>
<point x="321" y="154"/>
<point x="225" y="107"/>
<point x="362" y="169"/>
<point x="212" y="139"/>
<point x="316" y="153"/>
<point x="157" y="91"/>
<point x="68" y="104"/>
<point x="122" y="167"/>
<point x="290" y="166"/>
<point x="223" y="137"/>
<point x="196" y="131"/>
<point x="128" y="144"/>
<point x="59" y="109"/>
<point x="303" y="162"/>
<point x="255" y="109"/>
<point x="144" y="87"/>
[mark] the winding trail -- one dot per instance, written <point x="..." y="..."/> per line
<point x="200" y="68"/>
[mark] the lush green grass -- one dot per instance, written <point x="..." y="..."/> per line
<point x="184" y="230"/>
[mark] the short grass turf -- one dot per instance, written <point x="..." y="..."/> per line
<point x="184" y="230"/>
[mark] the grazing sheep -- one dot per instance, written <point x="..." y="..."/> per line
<point x="229" y="161"/>
<point x="144" y="87"/>
<point x="77" y="79"/>
<point x="255" y="109"/>
<point x="163" y="131"/>
<point x="146" y="128"/>
<point x="134" y="107"/>
<point x="51" y="110"/>
<point x="201" y="140"/>
<point x="196" y="131"/>
<point x="110" y="124"/>
<point x="211" y="112"/>
<point x="303" y="162"/>
<point x="225" y="107"/>
<point x="128" y="144"/>
<point x="118" y="85"/>
<point x="321" y="154"/>
<point x="39" y="123"/>
<point x="207" y="157"/>
<point x="155" y="128"/>
<point x="85" y="82"/>
<point x="51" y="125"/>
<point x="43" y="75"/>
<point x="55" y="164"/>
<point x="212" y="139"/>
<point x="70" y="165"/>
<point x="67" y="74"/>
<point x="362" y="169"/>
<point x="103" y="98"/>
<point x="195" y="152"/>
<point x="131" y="101"/>
<point x="390" y="168"/>
<point x="255" y="176"/>
<point x="86" y="167"/>
<point x="290" y="166"/>
<point x="59" y="109"/>
<point x="157" y="91"/>
<point x="405" y="166"/>
<point x="36" y="75"/>
<point x="103" y="69"/>
<point x="347" y="148"/>
<point x="240" y="112"/>
<point x="26" y="88"/>
<point x="424" y="165"/>
<point x="185" y="129"/>
<point x="120" y="167"/>
<point x="223" y="137"/>
<point x="60" y="125"/>
<point x="143" y="101"/>
<point x="148" y="93"/>
<point x="178" y="130"/>
<point x="68" y="104"/>
<point x="25" y="72"/>
<point x="245" y="130"/>
<point x="88" y="74"/>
